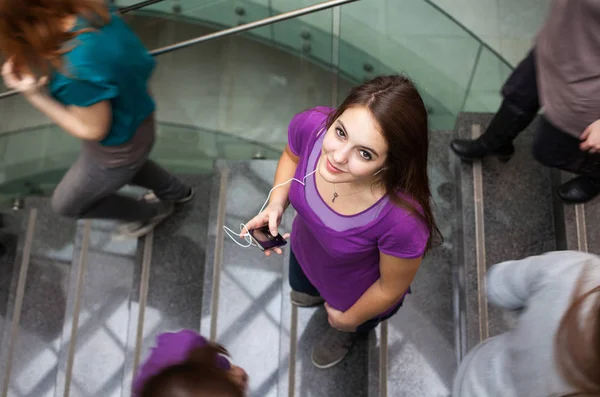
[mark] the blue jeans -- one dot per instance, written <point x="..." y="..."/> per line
<point x="299" y="282"/>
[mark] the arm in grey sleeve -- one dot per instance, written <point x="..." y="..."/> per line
<point x="511" y="284"/>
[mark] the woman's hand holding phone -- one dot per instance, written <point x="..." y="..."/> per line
<point x="270" y="216"/>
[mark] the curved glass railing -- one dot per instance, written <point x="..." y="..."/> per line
<point x="455" y="70"/>
<point x="34" y="160"/>
<point x="249" y="87"/>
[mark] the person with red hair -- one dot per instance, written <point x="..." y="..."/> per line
<point x="78" y="63"/>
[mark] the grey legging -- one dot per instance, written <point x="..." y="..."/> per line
<point x="88" y="190"/>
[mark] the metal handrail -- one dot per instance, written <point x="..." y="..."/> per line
<point x="137" y="6"/>
<point x="238" y="29"/>
<point x="252" y="25"/>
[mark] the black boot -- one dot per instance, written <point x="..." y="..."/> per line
<point x="579" y="190"/>
<point x="469" y="150"/>
<point x="504" y="127"/>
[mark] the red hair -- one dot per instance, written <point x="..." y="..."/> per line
<point x="33" y="34"/>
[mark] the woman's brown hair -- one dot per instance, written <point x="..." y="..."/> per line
<point x="33" y="35"/>
<point x="396" y="104"/>
<point x="577" y="342"/>
<point x="198" y="376"/>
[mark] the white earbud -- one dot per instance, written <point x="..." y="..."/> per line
<point x="246" y="235"/>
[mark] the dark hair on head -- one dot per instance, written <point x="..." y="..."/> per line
<point x="396" y="104"/>
<point x="198" y="376"/>
<point x="32" y="32"/>
<point x="577" y="343"/>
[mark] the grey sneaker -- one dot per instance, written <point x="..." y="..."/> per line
<point x="151" y="197"/>
<point x="141" y="228"/>
<point x="301" y="299"/>
<point x="332" y="348"/>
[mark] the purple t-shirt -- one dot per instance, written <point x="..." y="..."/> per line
<point x="171" y="348"/>
<point x="339" y="253"/>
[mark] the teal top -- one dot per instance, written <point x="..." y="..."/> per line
<point x="108" y="63"/>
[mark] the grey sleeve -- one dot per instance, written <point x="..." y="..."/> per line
<point x="511" y="284"/>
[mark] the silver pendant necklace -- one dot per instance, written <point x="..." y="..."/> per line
<point x="336" y="195"/>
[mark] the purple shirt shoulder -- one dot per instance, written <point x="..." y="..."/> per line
<point x="171" y="348"/>
<point x="342" y="262"/>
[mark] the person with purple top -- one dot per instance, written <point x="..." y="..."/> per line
<point x="185" y="364"/>
<point x="364" y="218"/>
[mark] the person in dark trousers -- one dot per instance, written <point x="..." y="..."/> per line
<point x="78" y="63"/>
<point x="561" y="74"/>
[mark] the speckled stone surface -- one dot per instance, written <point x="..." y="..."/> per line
<point x="109" y="305"/>
<point x="39" y="343"/>
<point x="348" y="378"/>
<point x="177" y="269"/>
<point x="105" y="312"/>
<point x="421" y="352"/>
<point x="592" y="219"/>
<point x="421" y="337"/>
<point x="590" y="213"/>
<point x="250" y="318"/>
<point x="571" y="240"/>
<point x="465" y="237"/>
<point x="10" y="236"/>
<point x="518" y="216"/>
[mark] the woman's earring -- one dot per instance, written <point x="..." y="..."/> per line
<point x="381" y="169"/>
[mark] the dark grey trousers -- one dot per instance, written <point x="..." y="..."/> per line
<point x="89" y="188"/>
<point x="552" y="147"/>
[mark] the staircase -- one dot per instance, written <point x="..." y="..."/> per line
<point x="580" y="223"/>
<point x="80" y="311"/>
<point x="510" y="211"/>
<point x="83" y="307"/>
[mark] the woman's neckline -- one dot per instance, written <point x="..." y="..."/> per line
<point x="317" y="147"/>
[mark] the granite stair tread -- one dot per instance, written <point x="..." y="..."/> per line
<point x="422" y="338"/>
<point x="251" y="305"/>
<point x="36" y="346"/>
<point x="79" y="274"/>
<point x="518" y="220"/>
<point x="577" y="226"/>
<point x="11" y="235"/>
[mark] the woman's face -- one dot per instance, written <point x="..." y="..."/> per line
<point x="353" y="148"/>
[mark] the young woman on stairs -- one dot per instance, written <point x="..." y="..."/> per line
<point x="560" y="74"/>
<point x="364" y="218"/>
<point x="78" y="63"/>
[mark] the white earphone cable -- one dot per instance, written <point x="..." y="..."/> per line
<point x="246" y="235"/>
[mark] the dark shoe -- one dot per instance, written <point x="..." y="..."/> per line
<point x="301" y="299"/>
<point x="151" y="197"/>
<point x="579" y="190"/>
<point x="332" y="348"/>
<point x="469" y="150"/>
<point x="141" y="228"/>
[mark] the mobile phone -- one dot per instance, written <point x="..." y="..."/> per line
<point x="265" y="240"/>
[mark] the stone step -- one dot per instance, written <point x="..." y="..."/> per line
<point x="507" y="213"/>
<point x="578" y="225"/>
<point x="247" y="306"/>
<point x="37" y="303"/>
<point x="423" y="339"/>
<point x="11" y="236"/>
<point x="92" y="305"/>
